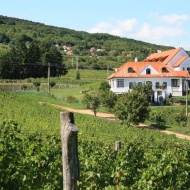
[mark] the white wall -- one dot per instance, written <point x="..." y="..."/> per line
<point x="180" y="54"/>
<point x="184" y="65"/>
<point x="175" y="91"/>
<point x="153" y="71"/>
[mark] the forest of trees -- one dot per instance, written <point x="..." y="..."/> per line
<point x="24" y="62"/>
<point x="114" y="50"/>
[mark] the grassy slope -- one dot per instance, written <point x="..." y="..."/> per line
<point x="94" y="78"/>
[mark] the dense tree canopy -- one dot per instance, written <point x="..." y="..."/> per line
<point x="132" y="108"/>
<point x="32" y="61"/>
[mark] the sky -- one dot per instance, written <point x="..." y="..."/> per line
<point x="161" y="22"/>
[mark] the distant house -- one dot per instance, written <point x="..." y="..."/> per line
<point x="166" y="71"/>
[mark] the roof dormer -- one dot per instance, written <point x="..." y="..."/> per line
<point x="164" y="70"/>
<point x="130" y="70"/>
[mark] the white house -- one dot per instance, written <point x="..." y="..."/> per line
<point x="167" y="72"/>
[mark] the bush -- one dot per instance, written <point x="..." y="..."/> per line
<point x="71" y="99"/>
<point x="52" y="84"/>
<point x="181" y="118"/>
<point x="157" y="117"/>
<point x="24" y="87"/>
<point x="36" y="83"/>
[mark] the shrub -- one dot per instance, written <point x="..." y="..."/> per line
<point x="36" y="83"/>
<point x="24" y="87"/>
<point x="157" y="117"/>
<point x="52" y="84"/>
<point x="71" y="99"/>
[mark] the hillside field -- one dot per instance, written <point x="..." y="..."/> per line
<point x="30" y="136"/>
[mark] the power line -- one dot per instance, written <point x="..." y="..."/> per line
<point x="34" y="64"/>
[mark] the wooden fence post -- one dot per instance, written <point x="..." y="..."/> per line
<point x="69" y="143"/>
<point x="117" y="147"/>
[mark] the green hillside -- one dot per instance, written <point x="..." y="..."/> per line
<point x="109" y="51"/>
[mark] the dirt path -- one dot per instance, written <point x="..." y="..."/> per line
<point x="112" y="117"/>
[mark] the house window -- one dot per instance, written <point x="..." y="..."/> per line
<point x="159" y="93"/>
<point x="140" y="83"/>
<point x="120" y="83"/>
<point x="175" y="82"/>
<point x="164" y="70"/>
<point x="130" y="85"/>
<point x="164" y="85"/>
<point x="148" y="71"/>
<point x="130" y="70"/>
<point x="157" y="84"/>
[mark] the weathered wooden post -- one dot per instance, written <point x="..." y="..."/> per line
<point x="117" y="147"/>
<point x="69" y="143"/>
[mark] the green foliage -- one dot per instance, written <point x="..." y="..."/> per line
<point x="31" y="162"/>
<point x="77" y="76"/>
<point x="30" y="151"/>
<point x="71" y="99"/>
<point x="107" y="97"/>
<point x="52" y="84"/>
<point x="143" y="88"/>
<point x="181" y="118"/>
<point x="24" y="87"/>
<point x="24" y="62"/>
<point x="169" y="116"/>
<point x="109" y="50"/>
<point x="4" y="38"/>
<point x="132" y="107"/>
<point x="36" y="83"/>
<point x="158" y="117"/>
<point x="104" y="86"/>
<point x="92" y="100"/>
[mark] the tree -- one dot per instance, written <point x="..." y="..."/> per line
<point x="104" y="86"/>
<point x="132" y="108"/>
<point x="4" y="38"/>
<point x="92" y="100"/>
<point x="143" y="88"/>
<point x="107" y="97"/>
<point x="54" y="57"/>
<point x="77" y="75"/>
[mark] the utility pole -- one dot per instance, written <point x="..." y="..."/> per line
<point x="49" y="77"/>
<point x="77" y="62"/>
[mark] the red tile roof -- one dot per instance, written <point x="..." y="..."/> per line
<point x="164" y="56"/>
<point x="158" y="61"/>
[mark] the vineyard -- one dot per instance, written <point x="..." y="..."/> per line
<point x="30" y="151"/>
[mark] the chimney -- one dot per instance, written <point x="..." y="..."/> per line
<point x="136" y="59"/>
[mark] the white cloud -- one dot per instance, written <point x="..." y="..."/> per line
<point x="160" y="30"/>
<point x="149" y="32"/>
<point x="119" y="28"/>
<point x="174" y="19"/>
